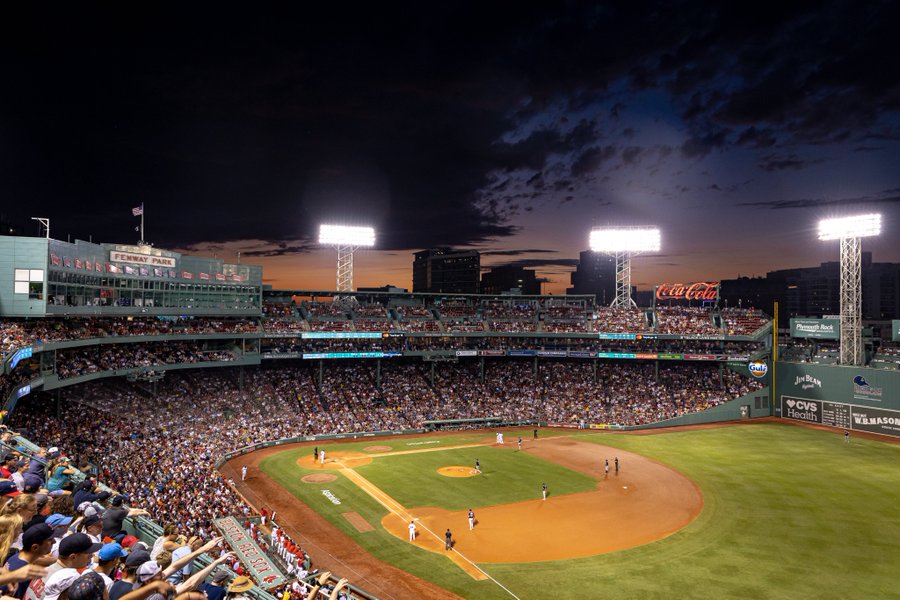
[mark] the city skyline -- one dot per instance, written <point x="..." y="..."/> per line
<point x="502" y="129"/>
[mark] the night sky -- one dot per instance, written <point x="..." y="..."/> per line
<point x="496" y="126"/>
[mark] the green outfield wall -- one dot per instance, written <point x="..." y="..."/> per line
<point x="853" y="398"/>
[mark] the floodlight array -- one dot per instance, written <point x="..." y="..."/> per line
<point x="344" y="235"/>
<point x="625" y="239"/>
<point x="850" y="227"/>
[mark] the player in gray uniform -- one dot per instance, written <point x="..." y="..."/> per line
<point x="471" y="519"/>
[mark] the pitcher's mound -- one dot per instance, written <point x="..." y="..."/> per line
<point x="319" y="478"/>
<point x="457" y="471"/>
<point x="377" y="448"/>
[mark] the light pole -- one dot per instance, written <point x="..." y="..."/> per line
<point x="346" y="239"/>
<point x="45" y="222"/>
<point x="623" y="243"/>
<point x="850" y="231"/>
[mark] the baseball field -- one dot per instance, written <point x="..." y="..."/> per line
<point x="760" y="510"/>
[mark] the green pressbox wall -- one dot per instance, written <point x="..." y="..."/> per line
<point x="21" y="253"/>
<point x="849" y="397"/>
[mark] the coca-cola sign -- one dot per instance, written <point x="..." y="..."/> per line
<point x="701" y="290"/>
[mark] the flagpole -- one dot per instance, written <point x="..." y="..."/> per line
<point x="142" y="223"/>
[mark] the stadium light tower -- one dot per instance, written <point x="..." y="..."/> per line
<point x="346" y="239"/>
<point x="850" y="231"/>
<point x="624" y="243"/>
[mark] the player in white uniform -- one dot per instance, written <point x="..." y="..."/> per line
<point x="412" y="531"/>
<point x="243" y="472"/>
<point x="322" y="456"/>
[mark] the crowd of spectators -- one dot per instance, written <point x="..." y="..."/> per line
<point x="685" y="320"/>
<point x="17" y="334"/>
<point x="75" y="362"/>
<point x="620" y="320"/>
<point x="743" y="321"/>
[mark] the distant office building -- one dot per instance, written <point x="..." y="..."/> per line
<point x="595" y="274"/>
<point x="448" y="271"/>
<point x="509" y="278"/>
<point x="815" y="291"/>
<point x="388" y="289"/>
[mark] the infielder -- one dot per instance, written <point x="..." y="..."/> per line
<point x="544" y="490"/>
<point x="322" y="456"/>
<point x="477" y="466"/>
<point x="448" y="540"/>
<point x="606" y="467"/>
<point x="471" y="519"/>
<point x="617" y="465"/>
<point x="412" y="531"/>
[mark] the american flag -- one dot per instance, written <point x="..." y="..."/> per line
<point x="137" y="210"/>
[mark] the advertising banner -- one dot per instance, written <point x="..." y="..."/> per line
<point x="251" y="556"/>
<point x="800" y="409"/>
<point x="824" y="329"/>
<point x="895" y="328"/>
<point x="876" y="420"/>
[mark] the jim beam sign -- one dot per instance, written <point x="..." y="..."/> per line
<point x="825" y="329"/>
<point x="141" y="259"/>
<point x="699" y="291"/>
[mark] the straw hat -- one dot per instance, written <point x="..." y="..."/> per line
<point x="240" y="584"/>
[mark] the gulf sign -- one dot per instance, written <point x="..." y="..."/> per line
<point x="758" y="368"/>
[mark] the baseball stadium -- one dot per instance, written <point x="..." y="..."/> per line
<point x="337" y="444"/>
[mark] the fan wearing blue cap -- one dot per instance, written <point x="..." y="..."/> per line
<point x="108" y="558"/>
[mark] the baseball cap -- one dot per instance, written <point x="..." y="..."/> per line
<point x="137" y="558"/>
<point x="36" y="534"/>
<point x="118" y="500"/>
<point x="220" y="576"/>
<point x="111" y="551"/>
<point x="56" y="519"/>
<point x="91" y="520"/>
<point x="32" y="482"/>
<point x="147" y="570"/>
<point x="87" y="587"/>
<point x="128" y="541"/>
<point x="8" y="488"/>
<point x="78" y="543"/>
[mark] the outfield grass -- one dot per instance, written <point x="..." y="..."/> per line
<point x="788" y="513"/>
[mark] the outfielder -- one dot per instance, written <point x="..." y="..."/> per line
<point x="519" y="442"/>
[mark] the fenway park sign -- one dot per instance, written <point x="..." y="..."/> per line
<point x="141" y="259"/>
<point x="701" y="290"/>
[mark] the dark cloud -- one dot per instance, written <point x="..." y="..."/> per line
<point x="517" y="252"/>
<point x="823" y="202"/>
<point x="540" y="262"/>
<point x="774" y="162"/>
<point x="591" y="160"/>
<point x="281" y="249"/>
